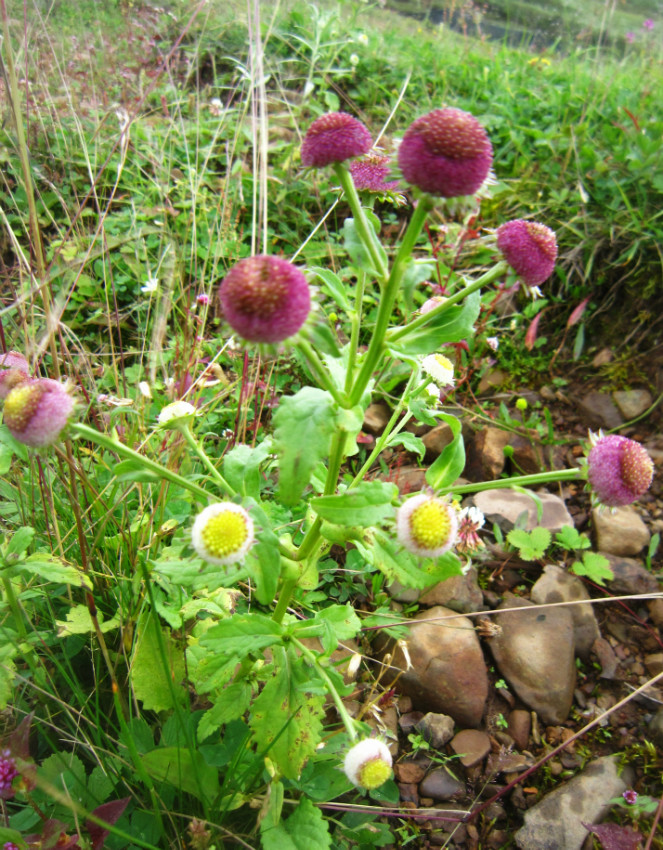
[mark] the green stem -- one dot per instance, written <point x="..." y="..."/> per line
<point x="185" y="431"/>
<point x="364" y="228"/>
<point x="114" y="445"/>
<point x="348" y="722"/>
<point x="388" y="298"/>
<point x="553" y="476"/>
<point x="355" y="324"/>
<point x="285" y="597"/>
<point x="497" y="270"/>
<point x="319" y="372"/>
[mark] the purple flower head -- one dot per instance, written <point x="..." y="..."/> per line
<point x="14" y="370"/>
<point x="630" y="796"/>
<point x="37" y="411"/>
<point x="619" y="470"/>
<point x="8" y="772"/>
<point x="630" y="37"/>
<point x="9" y="845"/>
<point x="648" y="24"/>
<point x="202" y="298"/>
<point x="369" y="174"/>
<point x="530" y="248"/>
<point x="334" y="137"/>
<point x="265" y="299"/>
<point x="446" y="152"/>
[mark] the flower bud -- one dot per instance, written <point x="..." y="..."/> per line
<point x="426" y="526"/>
<point x="334" y="137"/>
<point x="619" y="470"/>
<point x="446" y="152"/>
<point x="368" y="764"/>
<point x="265" y="299"/>
<point x="14" y="370"/>
<point x="172" y="415"/>
<point x="530" y="248"/>
<point x="36" y="412"/>
<point x="222" y="533"/>
<point x="369" y="174"/>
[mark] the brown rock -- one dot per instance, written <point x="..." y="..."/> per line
<point x="630" y="577"/>
<point x="471" y="745"/>
<point x="632" y="403"/>
<point x="520" y="723"/>
<point x="440" y="784"/>
<point x="527" y="456"/>
<point x="448" y="673"/>
<point x="620" y="533"/>
<point x="485" y="455"/>
<point x="656" y="611"/>
<point x="654" y="663"/>
<point x="599" y="411"/>
<point x="409" y="772"/>
<point x="436" y="440"/>
<point x="376" y="418"/>
<point x="556" y="585"/>
<point x="606" y="656"/>
<point x="491" y="380"/>
<point x="460" y="593"/>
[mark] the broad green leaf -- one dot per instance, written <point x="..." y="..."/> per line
<point x="66" y="772"/>
<point x="12" y="836"/>
<point x="531" y="545"/>
<point x="133" y="470"/>
<point x="452" y="325"/>
<point x="409" y="441"/>
<point x="305" y="829"/>
<point x="286" y="720"/>
<point x="79" y="622"/>
<point x="343" y="620"/>
<point x="333" y="286"/>
<point x="570" y="538"/>
<point x="229" y="704"/>
<point x="263" y="562"/>
<point x="595" y="566"/>
<point x="270" y="815"/>
<point x="151" y="683"/>
<point x="304" y="424"/>
<point x="356" y="248"/>
<point x="387" y="555"/>
<point x="241" y="468"/>
<point x="367" y="504"/>
<point x="52" y="569"/>
<point x="448" y="467"/>
<point x="185" y="770"/>
<point x="415" y="273"/>
<point x="19" y="541"/>
<point x="324" y="340"/>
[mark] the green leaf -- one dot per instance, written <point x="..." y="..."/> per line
<point x="595" y="566"/>
<point x="333" y="286"/>
<point x="185" y="770"/>
<point x="452" y="325"/>
<point x="79" y="622"/>
<point x="339" y="621"/>
<point x="367" y="504"/>
<point x="531" y="545"/>
<point x="133" y="470"/>
<point x="570" y="538"/>
<point x="305" y="829"/>
<point x="263" y="562"/>
<point x="229" y="704"/>
<point x="152" y="684"/>
<point x="52" y="569"/>
<point x="386" y="554"/>
<point x="324" y="339"/>
<point x="241" y="468"/>
<point x="10" y="447"/>
<point x="8" y="651"/>
<point x="356" y="248"/>
<point x="304" y="424"/>
<point x="19" y="542"/>
<point x="409" y="441"/>
<point x="286" y="720"/>
<point x="66" y="772"/>
<point x="415" y="273"/>
<point x="449" y="466"/>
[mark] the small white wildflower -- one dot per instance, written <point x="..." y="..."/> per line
<point x="426" y="526"/>
<point x="440" y="369"/>
<point x="144" y="389"/>
<point x="354" y="59"/>
<point x="176" y="410"/>
<point x="493" y="342"/>
<point x="151" y="285"/>
<point x="362" y="38"/>
<point x="368" y="764"/>
<point x="222" y="533"/>
<point x="432" y="392"/>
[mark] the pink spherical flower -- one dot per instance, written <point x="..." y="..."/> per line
<point x="265" y="299"/>
<point x="446" y="152"/>
<point x="369" y="174"/>
<point x="619" y="470"/>
<point x="530" y="248"/>
<point x="334" y="137"/>
<point x="37" y="411"/>
<point x="14" y="370"/>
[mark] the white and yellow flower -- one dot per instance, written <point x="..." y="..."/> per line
<point x="222" y="533"/>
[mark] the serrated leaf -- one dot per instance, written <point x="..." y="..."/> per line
<point x="452" y="325"/>
<point x="184" y="769"/>
<point x="241" y="468"/>
<point x="286" y="720"/>
<point x="386" y="554"/>
<point x="229" y="704"/>
<point x="595" y="566"/>
<point x="79" y="622"/>
<point x="448" y="467"/>
<point x="365" y="505"/>
<point x="151" y="683"/>
<point x="570" y="538"/>
<point x="52" y="569"/>
<point x="305" y="829"/>
<point x="531" y="545"/>
<point x="304" y="424"/>
<point x="66" y="772"/>
<point x="342" y="618"/>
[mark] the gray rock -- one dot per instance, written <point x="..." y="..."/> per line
<point x="632" y="403"/>
<point x="460" y="593"/>
<point x="534" y="653"/>
<point x="556" y="823"/>
<point x="448" y="673"/>
<point x="655" y="730"/>
<point x="440" y="784"/>
<point x="472" y="745"/>
<point x="599" y="411"/>
<point x="630" y="577"/>
<point x="620" y="533"/>
<point x="437" y="729"/>
<point x="556" y="585"/>
<point x="505" y="506"/>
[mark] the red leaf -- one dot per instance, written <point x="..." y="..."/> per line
<point x="109" y="812"/>
<point x="615" y="837"/>
<point x="530" y="336"/>
<point x="576" y="315"/>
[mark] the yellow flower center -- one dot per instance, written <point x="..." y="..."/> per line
<point x="373" y="773"/>
<point x="21" y="404"/>
<point x="444" y="362"/>
<point x="430" y="524"/>
<point x="225" y="533"/>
